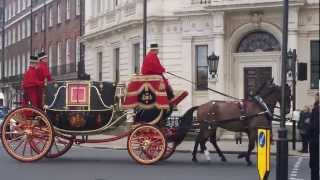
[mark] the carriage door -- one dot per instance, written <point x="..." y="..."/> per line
<point x="254" y="77"/>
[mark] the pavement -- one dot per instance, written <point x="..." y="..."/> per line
<point x="226" y="144"/>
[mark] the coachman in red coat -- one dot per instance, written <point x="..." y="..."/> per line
<point x="152" y="66"/>
<point x="43" y="73"/>
<point x="31" y="85"/>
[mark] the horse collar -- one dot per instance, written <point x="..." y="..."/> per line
<point x="263" y="104"/>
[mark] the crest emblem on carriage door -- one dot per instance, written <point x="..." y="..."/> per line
<point x="78" y="94"/>
<point x="146" y="96"/>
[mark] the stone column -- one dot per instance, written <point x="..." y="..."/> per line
<point x="218" y="48"/>
<point x="187" y="71"/>
<point x="293" y="28"/>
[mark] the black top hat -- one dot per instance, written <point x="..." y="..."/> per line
<point x="33" y="59"/>
<point x="154" y="46"/>
<point x="42" y="55"/>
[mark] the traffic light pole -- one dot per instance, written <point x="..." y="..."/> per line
<point x="282" y="143"/>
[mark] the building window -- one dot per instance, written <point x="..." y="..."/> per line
<point x="43" y="22"/>
<point x="36" y="24"/>
<point x="68" y="52"/>
<point x="315" y="45"/>
<point x="18" y="65"/>
<point x="99" y="7"/>
<point x="68" y="9"/>
<point x="202" y="67"/>
<point x="13" y="8"/>
<point x="23" y="4"/>
<point x="59" y="13"/>
<point x="59" y="55"/>
<point x="100" y="56"/>
<point x="21" y="64"/>
<point x="116" y="57"/>
<point x="50" y="16"/>
<point x="28" y="27"/>
<point x="78" y="49"/>
<point x="10" y="37"/>
<point x="18" y="3"/>
<point x="258" y="41"/>
<point x="26" y="61"/>
<point x="78" y="7"/>
<point x="23" y="29"/>
<point x="13" y="35"/>
<point x="18" y="32"/>
<point x="136" y="58"/>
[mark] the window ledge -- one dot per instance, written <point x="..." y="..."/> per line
<point x="312" y="92"/>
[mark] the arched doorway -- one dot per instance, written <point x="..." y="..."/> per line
<point x="256" y="60"/>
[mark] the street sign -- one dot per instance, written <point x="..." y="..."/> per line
<point x="263" y="156"/>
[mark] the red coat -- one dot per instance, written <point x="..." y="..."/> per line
<point x="43" y="71"/>
<point x="31" y="85"/>
<point x="151" y="65"/>
<point x="31" y="78"/>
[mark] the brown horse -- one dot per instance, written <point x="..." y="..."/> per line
<point x="246" y="117"/>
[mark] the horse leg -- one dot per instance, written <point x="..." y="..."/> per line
<point x="213" y="140"/>
<point x="252" y="139"/>
<point x="243" y="154"/>
<point x="195" y="149"/>
<point x="205" y="150"/>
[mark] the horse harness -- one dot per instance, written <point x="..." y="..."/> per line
<point x="244" y="117"/>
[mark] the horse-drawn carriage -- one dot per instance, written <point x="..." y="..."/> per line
<point x="75" y="110"/>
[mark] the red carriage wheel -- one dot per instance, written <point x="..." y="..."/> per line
<point x="171" y="145"/>
<point x="146" y="144"/>
<point x="61" y="145"/>
<point x="171" y="148"/>
<point x="27" y="134"/>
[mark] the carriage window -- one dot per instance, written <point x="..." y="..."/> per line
<point x="315" y="45"/>
<point x="136" y="58"/>
<point x="100" y="66"/>
<point x="202" y="67"/>
<point x="116" y="64"/>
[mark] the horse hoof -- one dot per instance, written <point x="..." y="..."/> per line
<point x="194" y="160"/>
<point x="223" y="159"/>
<point x="249" y="163"/>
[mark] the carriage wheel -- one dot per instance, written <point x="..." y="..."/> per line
<point x="27" y="134"/>
<point x="171" y="145"/>
<point x="146" y="144"/>
<point x="61" y="145"/>
<point x="171" y="148"/>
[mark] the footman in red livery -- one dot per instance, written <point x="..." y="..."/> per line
<point x="31" y="84"/>
<point x="43" y="73"/>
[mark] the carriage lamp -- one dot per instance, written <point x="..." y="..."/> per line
<point x="291" y="59"/>
<point x="213" y="62"/>
<point x="291" y="62"/>
<point x="120" y="90"/>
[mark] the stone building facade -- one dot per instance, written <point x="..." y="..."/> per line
<point x="246" y="36"/>
<point x="32" y="26"/>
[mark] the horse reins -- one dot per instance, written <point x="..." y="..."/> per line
<point x="226" y="95"/>
<point x="218" y="92"/>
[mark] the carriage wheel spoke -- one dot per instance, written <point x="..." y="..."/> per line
<point x="15" y="139"/>
<point x="22" y="140"/>
<point x="24" y="147"/>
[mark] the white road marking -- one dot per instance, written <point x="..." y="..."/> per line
<point x="296" y="167"/>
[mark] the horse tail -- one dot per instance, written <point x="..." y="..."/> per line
<point x="185" y="125"/>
